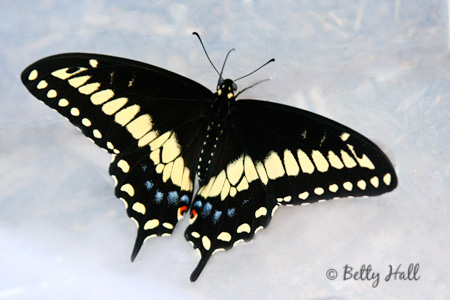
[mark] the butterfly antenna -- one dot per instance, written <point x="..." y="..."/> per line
<point x="249" y="87"/>
<point x="224" y="62"/>
<point x="203" y="46"/>
<point x="272" y="60"/>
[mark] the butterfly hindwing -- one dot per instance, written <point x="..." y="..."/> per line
<point x="302" y="157"/>
<point x="151" y="120"/>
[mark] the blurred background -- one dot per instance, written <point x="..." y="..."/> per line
<point x="380" y="67"/>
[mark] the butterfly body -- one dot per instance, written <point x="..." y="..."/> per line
<point x="164" y="131"/>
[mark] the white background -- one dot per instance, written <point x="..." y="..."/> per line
<point x="379" y="67"/>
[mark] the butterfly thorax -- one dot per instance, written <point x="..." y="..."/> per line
<point x="220" y="107"/>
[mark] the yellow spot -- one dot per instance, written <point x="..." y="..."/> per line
<point x="305" y="163"/>
<point x="348" y="186"/>
<point x="146" y="139"/>
<point x="233" y="191"/>
<point x="74" y="111"/>
<point x="33" y="75"/>
<point x="167" y="171"/>
<point x="113" y="106"/>
<point x="320" y="161"/>
<point x="168" y="225"/>
<point x="140" y="126"/>
<point x="243" y="185"/>
<point x="287" y="199"/>
<point x="177" y="171"/>
<point x="204" y="190"/>
<point x="348" y="161"/>
<point x="139" y="207"/>
<point x="123" y="165"/>
<point x="334" y="160"/>
<point x="195" y="234"/>
<point x="235" y="170"/>
<point x="127" y="114"/>
<point x="345" y="136"/>
<point x="230" y="95"/>
<point x="42" y="84"/>
<point x="63" y="102"/>
<point x="250" y="171"/>
<point x="374" y="181"/>
<point x="186" y="184"/>
<point x="225" y="190"/>
<point x="102" y="96"/>
<point x="290" y="164"/>
<point x="151" y="224"/>
<point x="224" y="236"/>
<point x="62" y="73"/>
<point x="160" y="140"/>
<point x="243" y="228"/>
<point x="362" y="184"/>
<point x="303" y="195"/>
<point x="86" y="122"/>
<point x="154" y="156"/>
<point x="364" y="161"/>
<point x="97" y="134"/>
<point x="219" y="92"/>
<point x="89" y="88"/>
<point x="387" y="179"/>
<point x="79" y="81"/>
<point x="128" y="188"/>
<point x="333" y="188"/>
<point x="262" y="173"/>
<point x="216" y="188"/>
<point x="93" y="63"/>
<point x="274" y="166"/>
<point x="318" y="191"/>
<point x="170" y="149"/>
<point x="206" y="242"/>
<point x="51" y="94"/>
<point x="159" y="168"/>
<point x="262" y="211"/>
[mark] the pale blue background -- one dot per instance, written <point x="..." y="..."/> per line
<point x="380" y="67"/>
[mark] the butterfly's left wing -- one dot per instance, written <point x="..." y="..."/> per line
<point x="274" y="155"/>
<point x="151" y="120"/>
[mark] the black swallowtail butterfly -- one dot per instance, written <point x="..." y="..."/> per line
<point x="249" y="156"/>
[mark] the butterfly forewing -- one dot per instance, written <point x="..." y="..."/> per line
<point x="150" y="119"/>
<point x="302" y="157"/>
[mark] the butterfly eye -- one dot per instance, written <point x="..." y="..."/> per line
<point x="234" y="86"/>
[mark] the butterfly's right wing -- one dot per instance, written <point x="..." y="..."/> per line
<point x="151" y="120"/>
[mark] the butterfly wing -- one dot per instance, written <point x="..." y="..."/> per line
<point x="151" y="120"/>
<point x="273" y="155"/>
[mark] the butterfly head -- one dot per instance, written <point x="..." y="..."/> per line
<point x="226" y="87"/>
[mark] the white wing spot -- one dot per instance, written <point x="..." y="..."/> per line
<point x="33" y="75"/>
<point x="333" y="188"/>
<point x="128" y="188"/>
<point x="86" y="122"/>
<point x="345" y="136"/>
<point x="348" y="186"/>
<point x="243" y="228"/>
<point x="287" y="199"/>
<point x="361" y="184"/>
<point x="63" y="102"/>
<point x="42" y="84"/>
<point x="97" y="134"/>
<point x="74" y="111"/>
<point x="93" y="63"/>
<point x="374" y="181"/>
<point x="303" y="195"/>
<point x="195" y="234"/>
<point x="151" y="224"/>
<point x="224" y="236"/>
<point x="319" y="191"/>
<point x="387" y="179"/>
<point x="139" y="207"/>
<point x="262" y="211"/>
<point x="206" y="242"/>
<point x="52" y="94"/>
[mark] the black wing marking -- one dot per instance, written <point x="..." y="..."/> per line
<point x="302" y="157"/>
<point x="150" y="119"/>
<point x="231" y="205"/>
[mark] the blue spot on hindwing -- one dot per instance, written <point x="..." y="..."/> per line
<point x="172" y="198"/>
<point x="198" y="204"/>
<point x="148" y="185"/>
<point x="216" y="216"/>
<point x="184" y="199"/>
<point x="244" y="202"/>
<point x="144" y="167"/>
<point x="158" y="196"/>
<point x="206" y="209"/>
<point x="231" y="212"/>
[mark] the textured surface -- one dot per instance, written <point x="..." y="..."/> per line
<point x="380" y="68"/>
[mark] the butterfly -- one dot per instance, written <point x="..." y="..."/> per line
<point x="165" y="131"/>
